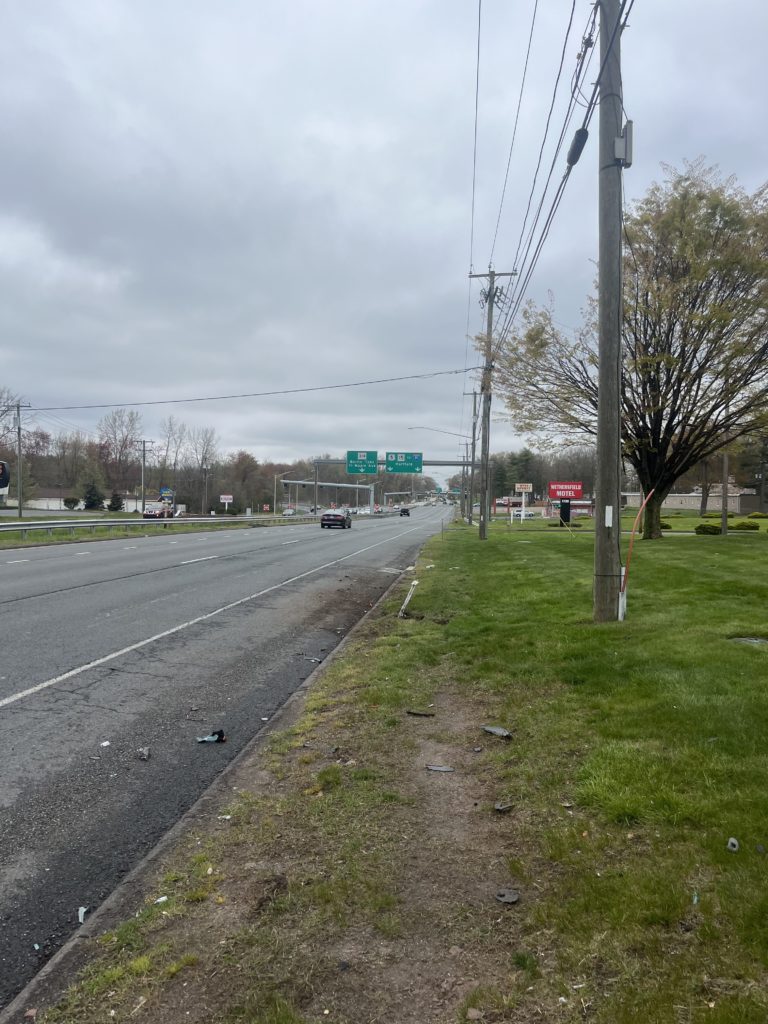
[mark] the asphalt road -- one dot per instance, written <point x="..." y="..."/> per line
<point x="111" y="646"/>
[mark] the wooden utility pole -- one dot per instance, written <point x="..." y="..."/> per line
<point x="485" y="391"/>
<point x="20" y="498"/>
<point x="614" y="153"/>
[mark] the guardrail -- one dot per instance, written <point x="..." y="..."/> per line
<point x="49" y="525"/>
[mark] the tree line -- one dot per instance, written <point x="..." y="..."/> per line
<point x="105" y="469"/>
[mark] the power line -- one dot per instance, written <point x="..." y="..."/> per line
<point x="514" y="129"/>
<point x="254" y="394"/>
<point x="524" y="280"/>
<point x="474" y="148"/>
<point x="546" y="131"/>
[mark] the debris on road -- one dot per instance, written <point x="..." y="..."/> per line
<point x="81" y="912"/>
<point x="105" y="743"/>
<point x="438" y="768"/>
<point x="143" y="753"/>
<point x="497" y="730"/>
<point x="215" y="737"/>
<point x="420" y="714"/>
<point x="733" y="845"/>
<point x="161" y="899"/>
<point x="503" y="808"/>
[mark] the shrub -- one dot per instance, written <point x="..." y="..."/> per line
<point x="717" y="515"/>
<point x="707" y="528"/>
<point x="758" y="515"/>
<point x="665" y="526"/>
<point x="71" y="503"/>
<point x="746" y="525"/>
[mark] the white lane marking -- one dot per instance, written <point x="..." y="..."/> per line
<point x="205" y="558"/>
<point x="79" y="553"/>
<point x="291" y="542"/>
<point x="174" y="542"/>
<point x="17" y="561"/>
<point x="191" y="622"/>
<point x="131" y="547"/>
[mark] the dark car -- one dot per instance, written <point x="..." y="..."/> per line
<point x="337" y="517"/>
<point x="158" y="512"/>
<point x="405" y="511"/>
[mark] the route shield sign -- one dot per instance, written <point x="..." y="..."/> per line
<point x="404" y="462"/>
<point x="363" y="462"/>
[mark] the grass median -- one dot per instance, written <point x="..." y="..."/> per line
<point x="346" y="881"/>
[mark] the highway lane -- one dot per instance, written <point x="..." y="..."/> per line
<point x="151" y="642"/>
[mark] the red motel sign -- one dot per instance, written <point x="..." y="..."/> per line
<point x="565" y="490"/>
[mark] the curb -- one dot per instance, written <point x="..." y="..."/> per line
<point x="54" y="976"/>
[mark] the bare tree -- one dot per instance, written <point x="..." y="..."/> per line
<point x="119" y="436"/>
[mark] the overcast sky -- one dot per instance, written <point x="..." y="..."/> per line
<point x="201" y="199"/>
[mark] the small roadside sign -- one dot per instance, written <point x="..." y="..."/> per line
<point x="523" y="488"/>
<point x="359" y="463"/>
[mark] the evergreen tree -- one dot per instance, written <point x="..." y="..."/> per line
<point x="93" y="498"/>
<point x="116" y="503"/>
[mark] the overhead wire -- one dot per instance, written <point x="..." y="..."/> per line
<point x="546" y="131"/>
<point x="522" y="284"/>
<point x="255" y="394"/>
<point x="583" y="62"/>
<point x="514" y="129"/>
<point x="474" y="189"/>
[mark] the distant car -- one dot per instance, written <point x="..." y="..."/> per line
<point x="336" y="517"/>
<point x="405" y="511"/>
<point x="365" y="511"/>
<point x="157" y="512"/>
<point x="289" y="511"/>
<point x="523" y="513"/>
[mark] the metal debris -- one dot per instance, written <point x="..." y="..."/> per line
<point x="497" y="730"/>
<point x="143" y="753"/>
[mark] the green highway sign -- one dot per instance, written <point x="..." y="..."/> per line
<point x="403" y="462"/>
<point x="363" y="462"/>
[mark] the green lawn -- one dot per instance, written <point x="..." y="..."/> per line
<point x="638" y="751"/>
<point x="655" y="731"/>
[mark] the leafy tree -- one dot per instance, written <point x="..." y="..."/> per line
<point x="116" y="503"/>
<point x="695" y="337"/>
<point x="71" y="503"/>
<point x="93" y="497"/>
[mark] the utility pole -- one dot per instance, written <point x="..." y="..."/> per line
<point x="490" y="296"/>
<point x="472" y="463"/>
<point x="18" y="461"/>
<point x="143" y="470"/>
<point x="614" y="153"/>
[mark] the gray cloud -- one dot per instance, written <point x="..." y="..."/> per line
<point x="209" y="199"/>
